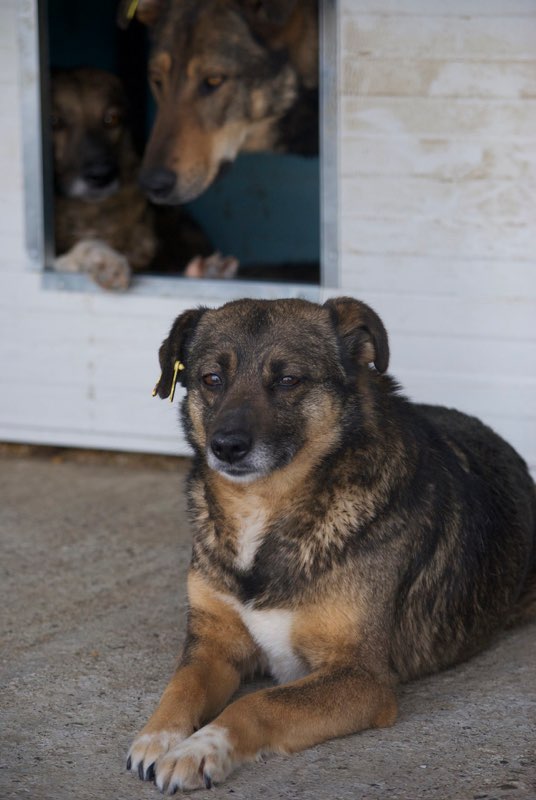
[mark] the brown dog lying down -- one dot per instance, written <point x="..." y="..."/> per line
<point x="103" y="222"/>
<point x="345" y="539"/>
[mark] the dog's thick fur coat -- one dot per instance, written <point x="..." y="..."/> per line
<point x="345" y="539"/>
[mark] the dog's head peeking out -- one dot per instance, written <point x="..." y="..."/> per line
<point x="91" y="149"/>
<point x="222" y="77"/>
<point x="268" y="381"/>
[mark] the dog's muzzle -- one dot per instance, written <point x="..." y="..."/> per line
<point x="235" y="454"/>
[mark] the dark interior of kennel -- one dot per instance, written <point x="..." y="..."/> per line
<point x="264" y="211"/>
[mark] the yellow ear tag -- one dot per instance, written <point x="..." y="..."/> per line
<point x="128" y="9"/>
<point x="126" y="13"/>
<point x="155" y="390"/>
<point x="177" y="367"/>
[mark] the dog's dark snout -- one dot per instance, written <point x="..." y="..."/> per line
<point x="158" y="183"/>
<point x="100" y="174"/>
<point x="231" y="446"/>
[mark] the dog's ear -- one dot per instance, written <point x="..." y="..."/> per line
<point x="175" y="349"/>
<point x="361" y="332"/>
<point x="271" y="12"/>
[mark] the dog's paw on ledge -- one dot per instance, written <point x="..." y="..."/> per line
<point x="214" y="266"/>
<point x="108" y="268"/>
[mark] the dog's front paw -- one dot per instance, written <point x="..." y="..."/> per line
<point x="148" y="747"/>
<point x="106" y="266"/>
<point x="215" y="266"/>
<point x="205" y="757"/>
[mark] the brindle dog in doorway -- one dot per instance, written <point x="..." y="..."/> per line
<point x="103" y="222"/>
<point x="228" y="76"/>
<point x="345" y="539"/>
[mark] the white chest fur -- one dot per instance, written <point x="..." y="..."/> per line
<point x="272" y="631"/>
<point x="249" y="537"/>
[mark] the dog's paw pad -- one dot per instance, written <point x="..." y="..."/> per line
<point x="203" y="759"/>
<point x="147" y="748"/>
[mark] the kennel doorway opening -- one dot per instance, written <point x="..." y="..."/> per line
<point x="280" y="210"/>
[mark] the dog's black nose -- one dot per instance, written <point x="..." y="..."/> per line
<point x="99" y="174"/>
<point x="231" y="446"/>
<point x="157" y="183"/>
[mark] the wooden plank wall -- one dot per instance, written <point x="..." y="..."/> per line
<point x="11" y="199"/>
<point x="437" y="180"/>
<point x="438" y="197"/>
<point x="75" y="368"/>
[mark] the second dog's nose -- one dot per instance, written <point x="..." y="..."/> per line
<point x="100" y="174"/>
<point x="158" y="183"/>
<point x="231" y="446"/>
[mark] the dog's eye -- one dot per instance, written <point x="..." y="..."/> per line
<point x="112" y="118"/>
<point x="156" y="83"/>
<point x="57" y="122"/>
<point x="212" y="379"/>
<point x="289" y="381"/>
<point x="210" y="84"/>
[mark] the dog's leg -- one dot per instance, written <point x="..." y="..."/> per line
<point x="196" y="692"/>
<point x="331" y="702"/>
<point x="217" y="653"/>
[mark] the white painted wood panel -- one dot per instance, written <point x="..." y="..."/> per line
<point x="436" y="8"/>
<point x="458" y="276"/>
<point x="428" y="315"/>
<point x="463" y="117"/>
<point x="443" y="159"/>
<point x="438" y="191"/>
<point x="437" y="186"/>
<point x="12" y="254"/>
<point x="489" y="357"/>
<point x="391" y="197"/>
<point x="467" y="37"/>
<point x="483" y="395"/>
<point x="435" y="238"/>
<point x="438" y="78"/>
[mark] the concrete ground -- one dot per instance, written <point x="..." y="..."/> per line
<point x="93" y="560"/>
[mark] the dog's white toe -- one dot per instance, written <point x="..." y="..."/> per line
<point x="147" y="748"/>
<point x="204" y="758"/>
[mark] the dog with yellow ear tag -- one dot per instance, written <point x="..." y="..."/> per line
<point x="345" y="539"/>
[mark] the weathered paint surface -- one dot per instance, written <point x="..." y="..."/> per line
<point x="438" y="197"/>
<point x="438" y="233"/>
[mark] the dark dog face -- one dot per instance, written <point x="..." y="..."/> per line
<point x="267" y="380"/>
<point x="219" y="83"/>
<point x="88" y="110"/>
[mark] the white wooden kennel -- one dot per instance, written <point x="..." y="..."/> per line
<point x="428" y="214"/>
